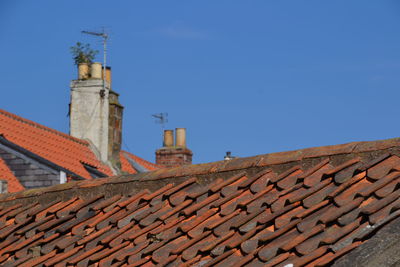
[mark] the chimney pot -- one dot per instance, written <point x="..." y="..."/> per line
<point x="96" y="70"/>
<point x="170" y="155"/>
<point x="83" y="71"/>
<point x="168" y="138"/>
<point x="180" y="138"/>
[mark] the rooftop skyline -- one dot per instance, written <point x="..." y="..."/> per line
<point x="248" y="78"/>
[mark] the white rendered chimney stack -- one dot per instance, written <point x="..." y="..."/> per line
<point x="89" y="110"/>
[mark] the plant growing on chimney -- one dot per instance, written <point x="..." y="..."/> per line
<point x="83" y="53"/>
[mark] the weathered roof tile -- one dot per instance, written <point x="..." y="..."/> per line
<point x="306" y="214"/>
<point x="382" y="168"/>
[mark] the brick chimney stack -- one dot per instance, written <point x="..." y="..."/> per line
<point x="171" y="155"/>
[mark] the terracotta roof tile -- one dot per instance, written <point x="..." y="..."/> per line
<point x="383" y="167"/>
<point x="329" y="257"/>
<point x="127" y="167"/>
<point x="6" y="174"/>
<point x="305" y="214"/>
<point x="57" y="147"/>
<point x="61" y="149"/>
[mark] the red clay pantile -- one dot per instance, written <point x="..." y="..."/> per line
<point x="308" y="213"/>
<point x="57" y="147"/>
<point x="6" y="174"/>
<point x="127" y="167"/>
<point x="61" y="149"/>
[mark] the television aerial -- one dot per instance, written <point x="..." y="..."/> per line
<point x="105" y="37"/>
<point x="161" y="118"/>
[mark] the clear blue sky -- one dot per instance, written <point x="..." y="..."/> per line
<point x="252" y="77"/>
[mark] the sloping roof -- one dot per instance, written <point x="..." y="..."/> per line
<point x="6" y="174"/>
<point x="61" y="149"/>
<point x="381" y="250"/>
<point x="306" y="207"/>
<point x="127" y="167"/>
<point x="57" y="147"/>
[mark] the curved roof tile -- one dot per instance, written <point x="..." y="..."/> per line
<point x="309" y="212"/>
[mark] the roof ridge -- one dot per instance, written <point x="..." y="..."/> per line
<point x="40" y="126"/>
<point x="270" y="159"/>
<point x="168" y="175"/>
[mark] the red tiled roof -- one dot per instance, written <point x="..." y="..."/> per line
<point x="6" y="174"/>
<point x="308" y="207"/>
<point x="127" y="167"/>
<point x="59" y="148"/>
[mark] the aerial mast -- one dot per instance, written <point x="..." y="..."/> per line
<point x="161" y="118"/>
<point x="105" y="37"/>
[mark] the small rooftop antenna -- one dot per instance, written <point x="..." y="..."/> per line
<point x="161" y="118"/>
<point x="105" y="37"/>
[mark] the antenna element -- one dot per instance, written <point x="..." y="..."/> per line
<point x="105" y="37"/>
<point x="161" y="118"/>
